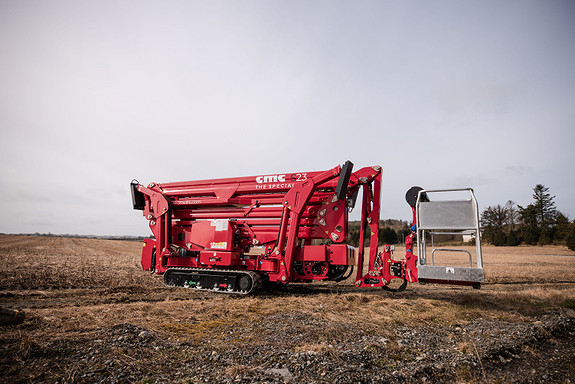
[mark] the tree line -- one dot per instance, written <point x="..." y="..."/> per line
<point x="391" y="231"/>
<point x="537" y="223"/>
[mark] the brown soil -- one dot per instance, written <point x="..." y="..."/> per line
<point x="92" y="315"/>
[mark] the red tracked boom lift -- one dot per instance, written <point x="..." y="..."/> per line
<point x="229" y="235"/>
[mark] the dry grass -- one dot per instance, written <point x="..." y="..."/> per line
<point x="111" y="288"/>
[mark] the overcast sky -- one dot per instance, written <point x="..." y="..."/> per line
<point x="439" y="93"/>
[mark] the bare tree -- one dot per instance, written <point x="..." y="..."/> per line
<point x="512" y="215"/>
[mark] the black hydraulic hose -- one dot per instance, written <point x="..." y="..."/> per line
<point x="348" y="275"/>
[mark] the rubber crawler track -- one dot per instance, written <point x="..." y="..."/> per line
<point x="256" y="281"/>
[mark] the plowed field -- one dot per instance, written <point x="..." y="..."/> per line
<point x="92" y="315"/>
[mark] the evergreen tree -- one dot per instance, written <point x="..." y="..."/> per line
<point x="530" y="228"/>
<point x="544" y="205"/>
<point x="546" y="212"/>
<point x="539" y="217"/>
<point x="493" y="220"/>
<point x="571" y="237"/>
<point x="562" y="227"/>
<point x="512" y="239"/>
<point x="387" y="236"/>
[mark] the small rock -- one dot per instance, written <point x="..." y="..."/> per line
<point x="144" y="335"/>
<point x="283" y="372"/>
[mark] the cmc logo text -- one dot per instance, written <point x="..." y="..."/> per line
<point x="270" y="179"/>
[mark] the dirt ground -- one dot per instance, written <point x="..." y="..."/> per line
<point x="92" y="315"/>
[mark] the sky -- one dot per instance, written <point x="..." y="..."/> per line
<point x="442" y="94"/>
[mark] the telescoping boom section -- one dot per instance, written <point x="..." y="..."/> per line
<point x="230" y="235"/>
